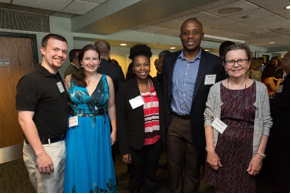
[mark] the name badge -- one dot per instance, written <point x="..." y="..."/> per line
<point x="210" y="79"/>
<point x="73" y="121"/>
<point x="136" y="102"/>
<point x="280" y="89"/>
<point x="61" y="87"/>
<point x="219" y="125"/>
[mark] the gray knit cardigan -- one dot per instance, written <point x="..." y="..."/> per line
<point x="262" y="122"/>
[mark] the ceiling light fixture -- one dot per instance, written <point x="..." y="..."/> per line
<point x="206" y="50"/>
<point x="272" y="42"/>
<point x="123" y="44"/>
<point x="172" y="47"/>
<point x="218" y="38"/>
<point x="287" y="7"/>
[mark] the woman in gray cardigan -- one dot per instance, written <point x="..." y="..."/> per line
<point x="237" y="126"/>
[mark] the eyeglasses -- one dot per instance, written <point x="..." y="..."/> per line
<point x="240" y="62"/>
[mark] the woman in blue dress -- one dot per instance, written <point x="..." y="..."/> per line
<point x="89" y="164"/>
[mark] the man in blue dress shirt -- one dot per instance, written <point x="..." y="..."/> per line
<point x="187" y="77"/>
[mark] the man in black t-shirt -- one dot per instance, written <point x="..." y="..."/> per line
<point x="42" y="104"/>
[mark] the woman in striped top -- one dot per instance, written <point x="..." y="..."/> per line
<point x="140" y="122"/>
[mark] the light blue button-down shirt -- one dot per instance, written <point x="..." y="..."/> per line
<point x="184" y="80"/>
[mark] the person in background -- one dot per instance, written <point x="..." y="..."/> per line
<point x="140" y="122"/>
<point x="187" y="77"/>
<point x="162" y="55"/>
<point x="110" y="69"/>
<point x="269" y="80"/>
<point x="114" y="61"/>
<point x="235" y="152"/>
<point x="276" y="171"/>
<point x="42" y="104"/>
<point x="158" y="67"/>
<point x="74" y="63"/>
<point x="262" y="67"/>
<point x="129" y="74"/>
<point x="160" y="64"/>
<point x="89" y="165"/>
<point x="223" y="48"/>
<point x="254" y="72"/>
<point x="107" y="68"/>
<point x="276" y="60"/>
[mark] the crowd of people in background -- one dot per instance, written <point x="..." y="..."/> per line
<point x="229" y="115"/>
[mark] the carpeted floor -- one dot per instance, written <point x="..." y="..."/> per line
<point x="14" y="178"/>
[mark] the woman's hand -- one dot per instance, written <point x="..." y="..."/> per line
<point x="275" y="79"/>
<point x="213" y="160"/>
<point x="255" y="165"/>
<point x="126" y="158"/>
<point x="113" y="138"/>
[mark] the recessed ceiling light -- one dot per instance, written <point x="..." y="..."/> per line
<point x="206" y="50"/>
<point x="230" y="10"/>
<point x="287" y="7"/>
<point x="123" y="44"/>
<point x="172" y="47"/>
<point x="272" y="42"/>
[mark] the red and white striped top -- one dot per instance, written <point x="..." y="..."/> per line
<point x="151" y="116"/>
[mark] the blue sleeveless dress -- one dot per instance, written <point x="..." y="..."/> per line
<point x="89" y="164"/>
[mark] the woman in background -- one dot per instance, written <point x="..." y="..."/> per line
<point x="276" y="60"/>
<point x="235" y="155"/>
<point x="254" y="72"/>
<point x="89" y="164"/>
<point x="269" y="80"/>
<point x="140" y="122"/>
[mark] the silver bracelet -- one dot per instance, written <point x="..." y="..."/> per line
<point x="263" y="155"/>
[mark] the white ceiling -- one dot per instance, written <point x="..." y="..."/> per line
<point x="258" y="23"/>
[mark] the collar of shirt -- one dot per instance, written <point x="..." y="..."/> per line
<point x="182" y="56"/>
<point x="46" y="73"/>
<point x="75" y="65"/>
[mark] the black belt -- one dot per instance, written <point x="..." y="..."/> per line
<point x="100" y="112"/>
<point x="50" y="140"/>
<point x="184" y="117"/>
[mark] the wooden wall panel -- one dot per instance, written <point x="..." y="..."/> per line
<point x="19" y="52"/>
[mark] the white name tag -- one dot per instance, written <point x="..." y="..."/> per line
<point x="136" y="102"/>
<point x="280" y="89"/>
<point x="210" y="79"/>
<point x="219" y="125"/>
<point x="73" y="121"/>
<point x="61" y="87"/>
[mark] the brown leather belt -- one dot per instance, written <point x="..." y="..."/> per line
<point x="184" y="117"/>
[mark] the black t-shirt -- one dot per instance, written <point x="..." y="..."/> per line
<point x="37" y="91"/>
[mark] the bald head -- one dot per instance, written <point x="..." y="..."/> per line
<point x="104" y="48"/>
<point x="191" y="19"/>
